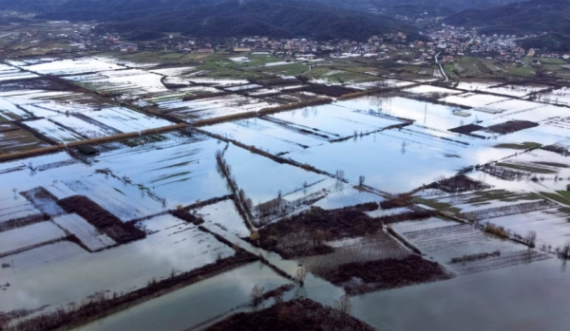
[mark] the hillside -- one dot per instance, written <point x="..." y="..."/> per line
<point x="518" y="18"/>
<point x="232" y="18"/>
<point x="553" y="41"/>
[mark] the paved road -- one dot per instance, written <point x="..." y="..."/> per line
<point x="440" y="67"/>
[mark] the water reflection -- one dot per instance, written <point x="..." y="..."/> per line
<point x="195" y="304"/>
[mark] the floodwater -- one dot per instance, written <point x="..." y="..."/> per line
<point x="195" y="304"/>
<point x="265" y="135"/>
<point x="262" y="179"/>
<point x="525" y="297"/>
<point x="397" y="161"/>
<point x="63" y="272"/>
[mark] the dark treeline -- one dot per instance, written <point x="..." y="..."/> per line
<point x="285" y="18"/>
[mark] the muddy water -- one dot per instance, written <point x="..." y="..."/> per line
<point x="194" y="304"/>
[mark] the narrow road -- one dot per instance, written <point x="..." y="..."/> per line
<point x="440" y="67"/>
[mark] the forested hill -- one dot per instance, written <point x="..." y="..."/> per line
<point x="518" y="18"/>
<point x="280" y="18"/>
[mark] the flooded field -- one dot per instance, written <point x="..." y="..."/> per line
<point x="194" y="110"/>
<point x="130" y="81"/>
<point x="174" y="197"/>
<point x="41" y="276"/>
<point x="217" y="297"/>
<point x="8" y="73"/>
<point x="70" y="67"/>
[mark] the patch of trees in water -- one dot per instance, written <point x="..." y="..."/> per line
<point x="299" y="314"/>
<point x="361" y="277"/>
<point x="306" y="234"/>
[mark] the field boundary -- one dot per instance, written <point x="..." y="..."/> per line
<point x="95" y="141"/>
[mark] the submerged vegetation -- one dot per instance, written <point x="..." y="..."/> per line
<point x="299" y="314"/>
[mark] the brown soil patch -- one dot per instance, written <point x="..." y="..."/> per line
<point x="361" y="277"/>
<point x="512" y="126"/>
<point x="16" y="139"/>
<point x="467" y="129"/>
<point x="101" y="219"/>
<point x="185" y="215"/>
<point x="300" y="314"/>
<point x="305" y="234"/>
<point x="399" y="201"/>
<point x="409" y="216"/>
<point x="331" y="91"/>
<point x="459" y="183"/>
<point x="556" y="149"/>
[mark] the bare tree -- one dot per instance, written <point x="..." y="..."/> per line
<point x="565" y="252"/>
<point x="361" y="180"/>
<point x="531" y="239"/>
<point x="343" y="304"/>
<point x="256" y="295"/>
<point x="301" y="274"/>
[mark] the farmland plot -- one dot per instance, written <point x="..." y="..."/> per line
<point x="126" y="120"/>
<point x="243" y="87"/>
<point x="85" y="232"/>
<point x="43" y="200"/>
<point x="218" y="82"/>
<point x="53" y="131"/>
<point x="265" y="135"/>
<point x="14" y="139"/>
<point x="58" y="274"/>
<point x="90" y="129"/>
<point x="551" y="226"/>
<point x="8" y="73"/>
<point x="131" y="81"/>
<point x="361" y="249"/>
<point x="14" y="206"/>
<point x="415" y="158"/>
<point x="179" y="168"/>
<point x="30" y="236"/>
<point x="214" y="107"/>
<point x="10" y="112"/>
<point x="559" y="96"/>
<point x="332" y="193"/>
<point x="72" y="67"/>
<point x="346" y="196"/>
<point x="436" y="116"/>
<point x="463" y="240"/>
<point x="224" y="215"/>
<point x="165" y="222"/>
<point x="518" y="91"/>
<point x="472" y="99"/>
<point x="513" y="108"/>
<point x="174" y="72"/>
<point x="56" y="101"/>
<point x="124" y="200"/>
<point x="475" y="86"/>
<point x="387" y="83"/>
<point x="256" y="175"/>
<point x="58" y="107"/>
<point x="429" y="90"/>
<point x="332" y="121"/>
